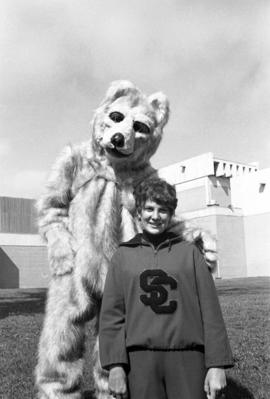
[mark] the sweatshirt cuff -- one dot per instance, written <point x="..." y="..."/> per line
<point x="108" y="365"/>
<point x="226" y="364"/>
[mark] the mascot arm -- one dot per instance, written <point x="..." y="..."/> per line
<point x="204" y="240"/>
<point x="53" y="209"/>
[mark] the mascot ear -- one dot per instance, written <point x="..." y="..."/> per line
<point x="160" y="103"/>
<point x="119" y="88"/>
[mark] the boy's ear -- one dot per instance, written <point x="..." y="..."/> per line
<point x="119" y="88"/>
<point x="161" y="105"/>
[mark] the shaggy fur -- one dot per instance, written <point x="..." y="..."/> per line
<point x="86" y="210"/>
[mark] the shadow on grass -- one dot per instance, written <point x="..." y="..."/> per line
<point x="242" y="291"/>
<point x="235" y="390"/>
<point x="22" y="302"/>
<point x="247" y="286"/>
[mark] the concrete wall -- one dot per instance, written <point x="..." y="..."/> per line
<point x="257" y="235"/>
<point x="220" y="190"/>
<point x="231" y="246"/>
<point x="23" y="256"/>
<point x="192" y="195"/>
<point x="191" y="199"/>
<point x="189" y="169"/>
<point x="23" y="261"/>
<point x="252" y="192"/>
<point x="23" y="267"/>
<point x="228" y="228"/>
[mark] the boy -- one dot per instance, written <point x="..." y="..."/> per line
<point x="162" y="335"/>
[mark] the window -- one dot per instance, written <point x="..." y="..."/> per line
<point x="262" y="187"/>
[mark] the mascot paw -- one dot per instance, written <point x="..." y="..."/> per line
<point x="207" y="244"/>
<point x="61" y="258"/>
<point x="211" y="259"/>
<point x="59" y="267"/>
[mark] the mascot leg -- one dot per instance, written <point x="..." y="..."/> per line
<point x="61" y="346"/>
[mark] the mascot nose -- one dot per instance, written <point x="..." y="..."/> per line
<point x="118" y="140"/>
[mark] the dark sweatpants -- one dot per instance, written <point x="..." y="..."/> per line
<point x="166" y="374"/>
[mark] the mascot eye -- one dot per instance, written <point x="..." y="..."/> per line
<point x="116" y="116"/>
<point x="141" y="127"/>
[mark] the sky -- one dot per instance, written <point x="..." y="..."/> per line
<point x="58" y="57"/>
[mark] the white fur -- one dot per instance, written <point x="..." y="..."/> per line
<point x="86" y="210"/>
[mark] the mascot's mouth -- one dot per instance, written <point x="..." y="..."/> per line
<point x="115" y="153"/>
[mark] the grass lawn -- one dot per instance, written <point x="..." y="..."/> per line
<point x="246" y="309"/>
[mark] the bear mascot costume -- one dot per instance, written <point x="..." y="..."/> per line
<point x="85" y="211"/>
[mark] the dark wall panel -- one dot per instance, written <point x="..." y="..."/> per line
<point x="17" y="215"/>
<point x="9" y="272"/>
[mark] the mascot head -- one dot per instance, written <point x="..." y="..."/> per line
<point x="127" y="127"/>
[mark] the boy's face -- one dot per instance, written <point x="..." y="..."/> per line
<point x="155" y="218"/>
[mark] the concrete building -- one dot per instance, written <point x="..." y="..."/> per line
<point x="23" y="255"/>
<point x="232" y="201"/>
<point x="229" y="199"/>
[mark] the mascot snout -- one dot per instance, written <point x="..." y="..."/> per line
<point x="118" y="140"/>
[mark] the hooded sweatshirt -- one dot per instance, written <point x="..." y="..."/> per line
<point x="161" y="298"/>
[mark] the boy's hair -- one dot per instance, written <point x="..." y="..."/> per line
<point x="157" y="190"/>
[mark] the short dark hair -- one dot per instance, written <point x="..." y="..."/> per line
<point x="157" y="190"/>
